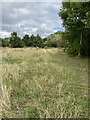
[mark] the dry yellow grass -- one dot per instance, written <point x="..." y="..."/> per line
<point x="43" y="83"/>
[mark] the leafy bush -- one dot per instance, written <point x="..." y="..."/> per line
<point x="15" y="41"/>
<point x="55" y="40"/>
<point x="5" y="42"/>
<point x="27" y="41"/>
<point x="74" y="48"/>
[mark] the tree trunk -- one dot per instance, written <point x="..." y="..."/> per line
<point x="79" y="54"/>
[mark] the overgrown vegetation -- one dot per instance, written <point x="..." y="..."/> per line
<point x="76" y="20"/>
<point x="39" y="83"/>
<point x="53" y="40"/>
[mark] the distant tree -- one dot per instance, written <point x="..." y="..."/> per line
<point x="51" y="41"/>
<point x="32" y="38"/>
<point x="44" y="42"/>
<point x="0" y="42"/>
<point x="26" y="39"/>
<point x="39" y="41"/>
<point x="5" y="42"/>
<point x="44" y="39"/>
<point x="16" y="41"/>
<point x="36" y="41"/>
<point x="20" y="42"/>
<point x="55" y="40"/>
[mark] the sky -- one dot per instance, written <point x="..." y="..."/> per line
<point x="30" y="18"/>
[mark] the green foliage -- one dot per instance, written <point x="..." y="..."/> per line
<point x="73" y="49"/>
<point x="15" y="41"/>
<point x="55" y="40"/>
<point x="20" y="43"/>
<point x="36" y="41"/>
<point x="5" y="42"/>
<point x="32" y="112"/>
<point x="76" y="20"/>
<point x="44" y="44"/>
<point x="27" y="40"/>
<point x="51" y="42"/>
<point x="33" y="41"/>
<point x="0" y="42"/>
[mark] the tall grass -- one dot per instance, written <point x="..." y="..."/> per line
<point x="43" y="83"/>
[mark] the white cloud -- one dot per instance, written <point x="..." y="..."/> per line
<point x="4" y="34"/>
<point x="31" y="18"/>
<point x="22" y="11"/>
<point x="31" y="0"/>
<point x="43" y="25"/>
<point x="34" y="29"/>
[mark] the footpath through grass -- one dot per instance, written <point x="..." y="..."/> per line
<point x="43" y="83"/>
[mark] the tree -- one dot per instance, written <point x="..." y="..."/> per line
<point x="76" y="21"/>
<point x="5" y="42"/>
<point x="36" y="41"/>
<point x="32" y="38"/>
<point x="0" y="42"/>
<point x="16" y="41"/>
<point x="27" y="40"/>
<point x="44" y="42"/>
<point x="55" y="40"/>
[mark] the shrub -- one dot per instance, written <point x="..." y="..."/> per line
<point x="5" y="42"/>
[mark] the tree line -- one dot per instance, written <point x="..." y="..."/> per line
<point x="52" y="40"/>
<point x="16" y="42"/>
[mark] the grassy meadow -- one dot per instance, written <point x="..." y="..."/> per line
<point x="39" y="83"/>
